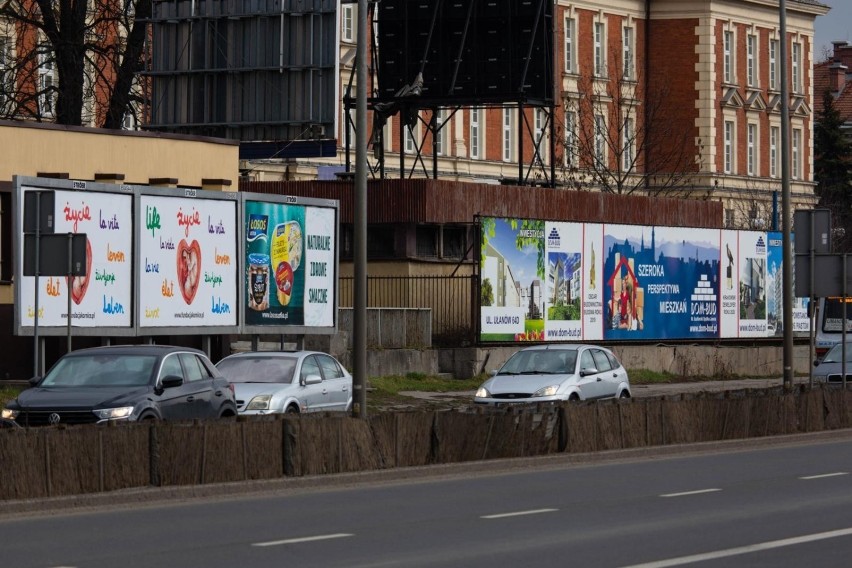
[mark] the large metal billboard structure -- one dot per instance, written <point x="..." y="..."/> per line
<point x="260" y="71"/>
<point x="184" y="262"/>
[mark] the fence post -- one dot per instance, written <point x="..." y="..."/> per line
<point x="100" y="460"/>
<point x="288" y="441"/>
<point x="153" y="455"/>
<point x="47" y="479"/>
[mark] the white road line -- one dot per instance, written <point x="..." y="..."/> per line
<point x="685" y="493"/>
<point x="518" y="513"/>
<point x="743" y="549"/>
<point x="835" y="474"/>
<point x="302" y="539"/>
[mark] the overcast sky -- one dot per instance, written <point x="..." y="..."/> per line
<point x="836" y="25"/>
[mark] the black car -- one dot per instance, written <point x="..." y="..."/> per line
<point x="120" y="383"/>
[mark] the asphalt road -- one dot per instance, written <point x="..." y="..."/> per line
<point x="770" y="503"/>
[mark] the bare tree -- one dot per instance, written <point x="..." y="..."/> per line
<point x="751" y="207"/>
<point x="622" y="136"/>
<point x="73" y="60"/>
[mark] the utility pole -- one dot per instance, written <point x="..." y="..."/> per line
<point x="787" y="263"/>
<point x="359" y="305"/>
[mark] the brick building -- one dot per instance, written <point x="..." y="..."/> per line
<point x="681" y="95"/>
<point x="835" y="76"/>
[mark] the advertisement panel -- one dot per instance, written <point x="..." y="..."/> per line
<point x="752" y="284"/>
<point x="563" y="314"/>
<point x="187" y="262"/>
<point x="729" y="325"/>
<point x="593" y="283"/>
<point x="775" y="288"/>
<point x="512" y="269"/>
<point x="660" y="282"/>
<point x="290" y="264"/>
<point x="102" y="298"/>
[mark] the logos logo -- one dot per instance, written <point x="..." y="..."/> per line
<point x="553" y="239"/>
<point x="760" y="246"/>
<point x="53" y="419"/>
<point x="257" y="227"/>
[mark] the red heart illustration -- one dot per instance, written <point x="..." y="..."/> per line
<point x="79" y="284"/>
<point x="188" y="269"/>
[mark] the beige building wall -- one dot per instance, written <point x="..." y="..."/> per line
<point x="85" y="153"/>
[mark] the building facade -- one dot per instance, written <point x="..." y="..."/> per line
<point x="667" y="97"/>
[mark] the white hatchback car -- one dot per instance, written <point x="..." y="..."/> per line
<point x="555" y="373"/>
<point x="269" y="382"/>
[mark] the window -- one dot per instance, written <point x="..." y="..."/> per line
<point x="46" y="81"/>
<point x="729" y="147"/>
<point x="426" y="237"/>
<point x="602" y="362"/>
<point x="729" y="57"/>
<point x="508" y="134"/>
<point x="600" y="55"/>
<point x="570" y="55"/>
<point x="751" y="59"/>
<point x="347" y="26"/>
<point x="454" y="242"/>
<point x="441" y="132"/>
<point x="171" y="366"/>
<point x="570" y="138"/>
<point x="348" y="127"/>
<point x="729" y="218"/>
<point x="7" y="74"/>
<point x="628" y="53"/>
<point x="587" y="361"/>
<point x="475" y="134"/>
<point x="600" y="141"/>
<point x="752" y="150"/>
<point x="309" y="367"/>
<point x="629" y="136"/>
<point x="773" y="64"/>
<point x="330" y="368"/>
<point x="795" y="164"/>
<point x="774" y="137"/>
<point x="538" y="132"/>
<point x="797" y="65"/>
<point x="193" y="368"/>
<point x="411" y="142"/>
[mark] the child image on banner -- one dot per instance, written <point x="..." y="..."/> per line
<point x="623" y="291"/>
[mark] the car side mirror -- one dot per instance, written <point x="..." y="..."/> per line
<point x="34" y="381"/>
<point x="312" y="380"/>
<point x="588" y="371"/>
<point x="493" y="372"/>
<point x="816" y="362"/>
<point x="171" y="381"/>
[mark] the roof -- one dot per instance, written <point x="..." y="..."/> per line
<point x="158" y="350"/>
<point x="843" y="102"/>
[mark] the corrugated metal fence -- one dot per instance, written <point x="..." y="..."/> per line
<point x="449" y="298"/>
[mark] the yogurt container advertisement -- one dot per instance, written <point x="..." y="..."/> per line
<point x="102" y="298"/>
<point x="290" y="265"/>
<point x="187" y="262"/>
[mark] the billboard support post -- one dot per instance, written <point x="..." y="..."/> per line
<point x="68" y="285"/>
<point x="36" y="344"/>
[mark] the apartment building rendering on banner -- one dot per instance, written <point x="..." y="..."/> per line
<point x="706" y="75"/>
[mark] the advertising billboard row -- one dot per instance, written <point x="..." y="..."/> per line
<point x="172" y="262"/>
<point x="560" y="281"/>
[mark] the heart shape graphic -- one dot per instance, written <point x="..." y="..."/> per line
<point x="79" y="284"/>
<point x="188" y="269"/>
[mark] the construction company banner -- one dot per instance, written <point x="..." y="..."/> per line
<point x="187" y="262"/>
<point x="102" y="298"/>
<point x="290" y="264"/>
<point x="775" y="289"/>
<point x="560" y="281"/>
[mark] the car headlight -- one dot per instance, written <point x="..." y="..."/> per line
<point x="547" y="391"/>
<point x="482" y="392"/>
<point x="114" y="413"/>
<point x="260" y="402"/>
<point x="9" y="414"/>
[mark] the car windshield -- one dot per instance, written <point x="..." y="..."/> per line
<point x="101" y="370"/>
<point x="835" y="354"/>
<point x="540" y="362"/>
<point x="258" y="369"/>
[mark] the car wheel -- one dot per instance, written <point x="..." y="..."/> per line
<point x="226" y="414"/>
<point x="292" y="409"/>
<point x="148" y="417"/>
<point x="624" y="394"/>
<point x="574" y="397"/>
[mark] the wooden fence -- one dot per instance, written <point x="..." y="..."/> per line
<point x="75" y="460"/>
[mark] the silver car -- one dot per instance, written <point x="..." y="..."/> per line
<point x="829" y="369"/>
<point x="555" y="373"/>
<point x="269" y="382"/>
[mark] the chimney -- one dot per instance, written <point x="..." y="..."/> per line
<point x="836" y="77"/>
<point x="842" y="53"/>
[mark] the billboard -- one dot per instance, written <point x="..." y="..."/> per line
<point x="290" y="263"/>
<point x="560" y="281"/>
<point x="187" y="261"/>
<point x="102" y="299"/>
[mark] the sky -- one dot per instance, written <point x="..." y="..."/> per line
<point x="836" y="25"/>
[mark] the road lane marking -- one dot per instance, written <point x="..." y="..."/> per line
<point x="835" y="474"/>
<point x="743" y="549"/>
<point x="518" y="513"/>
<point x="685" y="493"/>
<point x="302" y="539"/>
